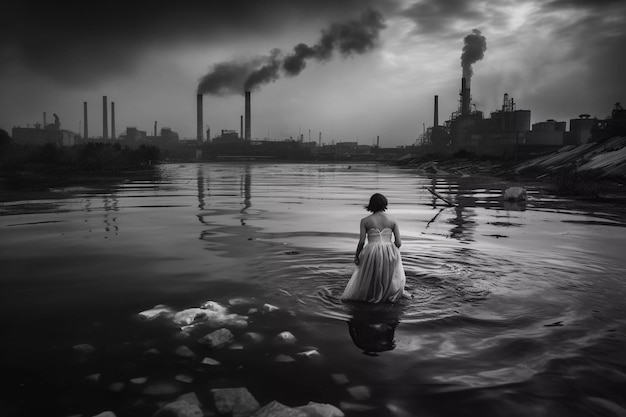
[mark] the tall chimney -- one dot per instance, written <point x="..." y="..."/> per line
<point x="155" y="128"/>
<point x="105" y="121"/>
<point x="241" y="126"/>
<point x="44" y="120"/>
<point x="113" y="120"/>
<point x="85" y="124"/>
<point x="248" y="116"/>
<point x="320" y="139"/>
<point x="378" y="140"/>
<point x="465" y="97"/>
<point x="200" y="120"/>
<point x="436" y="120"/>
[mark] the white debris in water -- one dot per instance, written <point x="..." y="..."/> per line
<point x="285" y="338"/>
<point x="210" y="361"/>
<point x="309" y="354"/>
<point x="268" y="308"/>
<point x="340" y="379"/>
<point x="189" y="316"/>
<point x="360" y="392"/>
<point x="236" y="346"/>
<point x="154" y="312"/>
<point x="214" y="306"/>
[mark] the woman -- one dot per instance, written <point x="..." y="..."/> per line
<point x="379" y="275"/>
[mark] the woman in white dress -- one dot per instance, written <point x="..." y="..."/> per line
<point x="379" y="274"/>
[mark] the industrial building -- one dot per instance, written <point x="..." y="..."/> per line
<point x="41" y="134"/>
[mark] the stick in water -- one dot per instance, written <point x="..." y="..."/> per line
<point x="436" y="194"/>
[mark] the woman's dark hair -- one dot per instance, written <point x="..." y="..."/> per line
<point x="378" y="202"/>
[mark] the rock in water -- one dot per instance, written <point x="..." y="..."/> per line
<point x="217" y="338"/>
<point x="214" y="307"/>
<point x="154" y="312"/>
<point x="285" y="338"/>
<point x="190" y="315"/>
<point x="514" y="194"/>
<point x="106" y="414"/>
<point x="184" y="352"/>
<point x="162" y="388"/>
<point x="313" y="409"/>
<point x="237" y="402"/>
<point x="179" y="409"/>
<point x="276" y="409"/>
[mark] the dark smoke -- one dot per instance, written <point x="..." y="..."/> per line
<point x="266" y="74"/>
<point x="355" y="37"/>
<point x="358" y="37"/>
<point x="474" y="49"/>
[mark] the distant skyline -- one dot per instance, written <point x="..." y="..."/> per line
<point x="557" y="58"/>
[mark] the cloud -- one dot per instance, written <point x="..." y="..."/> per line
<point x="81" y="43"/>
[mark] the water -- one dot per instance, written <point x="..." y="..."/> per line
<point x="517" y="310"/>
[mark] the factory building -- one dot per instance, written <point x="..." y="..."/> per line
<point x="41" y="134"/>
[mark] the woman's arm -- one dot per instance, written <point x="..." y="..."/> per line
<point x="359" y="247"/>
<point x="396" y="233"/>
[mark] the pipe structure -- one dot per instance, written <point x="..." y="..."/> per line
<point x="248" y="116"/>
<point x="200" y="119"/>
<point x="436" y="116"/>
<point x="105" y="121"/>
<point x="112" y="120"/>
<point x="465" y="97"/>
<point x="85" y="123"/>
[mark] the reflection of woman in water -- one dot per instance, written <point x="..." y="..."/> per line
<point x="379" y="275"/>
<point x="372" y="327"/>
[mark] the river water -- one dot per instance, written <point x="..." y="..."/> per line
<point x="517" y="310"/>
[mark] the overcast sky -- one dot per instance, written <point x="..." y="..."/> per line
<point x="557" y="58"/>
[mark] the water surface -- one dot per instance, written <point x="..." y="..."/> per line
<point x="517" y="309"/>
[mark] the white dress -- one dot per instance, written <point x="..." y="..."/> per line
<point x="379" y="277"/>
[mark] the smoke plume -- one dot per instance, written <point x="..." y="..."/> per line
<point x="355" y="37"/>
<point x="474" y="49"/>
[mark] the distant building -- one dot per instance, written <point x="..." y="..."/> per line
<point x="38" y="135"/>
<point x="580" y="130"/>
<point x="549" y="132"/>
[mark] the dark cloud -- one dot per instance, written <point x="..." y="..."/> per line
<point x="78" y="42"/>
<point x="438" y="16"/>
<point x="352" y="37"/>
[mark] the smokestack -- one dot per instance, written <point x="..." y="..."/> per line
<point x="155" y="128"/>
<point x="320" y="139"/>
<point x="241" y="126"/>
<point x="113" y="120"/>
<point x="200" y="119"/>
<point x="248" y="116"/>
<point x="44" y="120"/>
<point x="465" y="97"/>
<point x="436" y="121"/>
<point x="378" y="140"/>
<point x="86" y="134"/>
<point x="105" y="121"/>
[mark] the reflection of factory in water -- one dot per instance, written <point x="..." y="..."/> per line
<point x="508" y="132"/>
